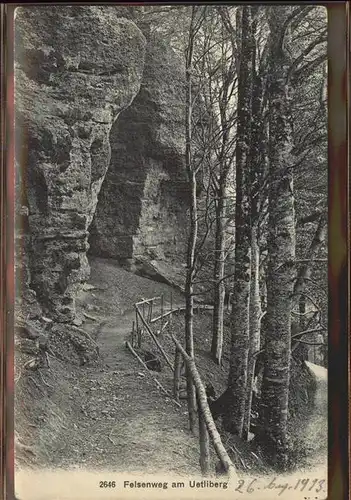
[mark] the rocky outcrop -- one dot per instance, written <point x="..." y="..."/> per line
<point x="76" y="69"/>
<point x="142" y="208"/>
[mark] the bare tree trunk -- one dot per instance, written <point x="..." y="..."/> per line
<point x="257" y="165"/>
<point x="190" y="270"/>
<point x="237" y="380"/>
<point x="189" y="303"/>
<point x="255" y="325"/>
<point x="281" y="248"/>
<point x="219" y="288"/>
<point x="205" y="455"/>
<point x="225" y="159"/>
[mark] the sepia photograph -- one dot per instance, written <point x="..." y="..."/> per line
<point x="171" y="251"/>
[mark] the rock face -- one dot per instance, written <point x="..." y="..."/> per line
<point x="76" y="69"/>
<point x="142" y="208"/>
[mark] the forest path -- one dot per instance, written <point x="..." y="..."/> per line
<point x="126" y="424"/>
<point x="150" y="432"/>
<point x="314" y="434"/>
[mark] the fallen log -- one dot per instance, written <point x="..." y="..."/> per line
<point x="164" y="326"/>
<point x="86" y="334"/>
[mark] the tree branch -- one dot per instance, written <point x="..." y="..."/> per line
<point x="304" y="53"/>
<point x="306" y="332"/>
<point x="309" y="343"/>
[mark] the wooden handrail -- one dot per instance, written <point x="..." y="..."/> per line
<point x="162" y="316"/>
<point x="178" y="309"/>
<point x="144" y="301"/>
<point x="154" y="339"/>
<point x="206" y="412"/>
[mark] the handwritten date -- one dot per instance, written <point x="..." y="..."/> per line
<point x="308" y="485"/>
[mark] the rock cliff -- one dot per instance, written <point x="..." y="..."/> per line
<point x="76" y="69"/>
<point x="141" y="213"/>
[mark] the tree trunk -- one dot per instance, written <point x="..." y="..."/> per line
<point x="225" y="159"/>
<point x="257" y="163"/>
<point x="205" y="454"/>
<point x="301" y="351"/>
<point x="219" y="287"/>
<point x="234" y="418"/>
<point x="189" y="300"/>
<point x="190" y="270"/>
<point x="255" y="326"/>
<point x="281" y="249"/>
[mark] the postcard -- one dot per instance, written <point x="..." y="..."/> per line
<point x="171" y="220"/>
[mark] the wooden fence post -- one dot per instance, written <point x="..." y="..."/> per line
<point x="161" y="313"/>
<point x="150" y="310"/>
<point x="133" y="334"/>
<point x="177" y="370"/>
<point x="170" y="317"/>
<point x="138" y="328"/>
<point x="154" y="338"/>
<point x="204" y="445"/>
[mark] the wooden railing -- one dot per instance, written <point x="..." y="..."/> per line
<point x="145" y="309"/>
<point x="154" y="338"/>
<point x="207" y="428"/>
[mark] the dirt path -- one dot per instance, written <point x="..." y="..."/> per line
<point x="126" y="423"/>
<point x="315" y="433"/>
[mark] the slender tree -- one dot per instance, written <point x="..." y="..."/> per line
<point x="228" y="75"/>
<point x="257" y="171"/>
<point x="237" y="380"/>
<point x="195" y="25"/>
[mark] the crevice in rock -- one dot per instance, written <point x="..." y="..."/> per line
<point x="140" y="213"/>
